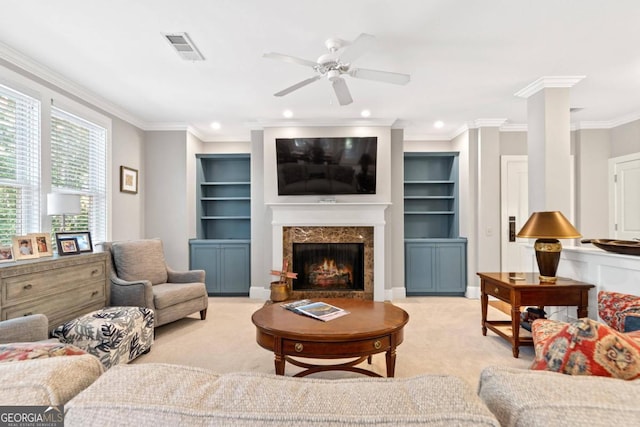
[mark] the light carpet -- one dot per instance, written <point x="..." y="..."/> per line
<point x="443" y="336"/>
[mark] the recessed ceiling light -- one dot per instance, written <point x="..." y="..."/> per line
<point x="215" y="125"/>
<point x="287" y="113"/>
<point x="438" y="124"/>
<point x="365" y="113"/>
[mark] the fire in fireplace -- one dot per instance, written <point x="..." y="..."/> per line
<point x="328" y="266"/>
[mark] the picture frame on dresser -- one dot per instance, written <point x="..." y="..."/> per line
<point x="67" y="246"/>
<point x="83" y="239"/>
<point x="6" y="254"/>
<point x="24" y="247"/>
<point x="43" y="244"/>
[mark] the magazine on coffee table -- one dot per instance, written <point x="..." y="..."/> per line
<point x="317" y="310"/>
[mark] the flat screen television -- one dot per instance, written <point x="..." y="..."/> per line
<point x="326" y="166"/>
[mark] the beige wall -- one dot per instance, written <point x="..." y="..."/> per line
<point x="592" y="149"/>
<point x="488" y="206"/>
<point x="127" y="210"/>
<point x="625" y="139"/>
<point x="164" y="173"/>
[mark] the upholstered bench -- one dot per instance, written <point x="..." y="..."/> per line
<point x="113" y="334"/>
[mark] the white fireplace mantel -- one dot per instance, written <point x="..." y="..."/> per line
<point x="333" y="215"/>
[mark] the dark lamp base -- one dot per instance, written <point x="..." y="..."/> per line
<point x="548" y="257"/>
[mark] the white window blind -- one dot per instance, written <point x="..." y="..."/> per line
<point x="78" y="165"/>
<point x="19" y="164"/>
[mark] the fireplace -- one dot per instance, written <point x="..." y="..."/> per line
<point x="331" y="262"/>
<point x="328" y="266"/>
<point x="339" y="222"/>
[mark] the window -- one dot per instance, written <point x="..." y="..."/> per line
<point x="78" y="165"/>
<point x="19" y="164"/>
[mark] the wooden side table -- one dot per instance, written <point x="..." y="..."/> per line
<point x="525" y="289"/>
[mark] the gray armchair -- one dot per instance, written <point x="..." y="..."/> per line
<point x="25" y="329"/>
<point x="140" y="277"/>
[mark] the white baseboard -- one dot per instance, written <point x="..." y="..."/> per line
<point x="473" y="292"/>
<point x="397" y="293"/>
<point x="256" y="292"/>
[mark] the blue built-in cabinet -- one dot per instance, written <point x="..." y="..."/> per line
<point x="223" y="243"/>
<point x="435" y="254"/>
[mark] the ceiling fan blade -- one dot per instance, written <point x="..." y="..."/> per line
<point x="357" y="48"/>
<point x="342" y="92"/>
<point x="297" y="86"/>
<point x="290" y="59"/>
<point x="381" y="76"/>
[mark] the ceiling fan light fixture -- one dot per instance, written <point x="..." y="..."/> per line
<point x="333" y="75"/>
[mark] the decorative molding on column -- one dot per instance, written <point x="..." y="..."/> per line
<point x="514" y="127"/>
<point x="489" y="123"/>
<point x="548" y="81"/>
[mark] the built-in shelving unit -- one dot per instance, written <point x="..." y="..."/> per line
<point x="224" y="196"/>
<point x="435" y="254"/>
<point x="222" y="248"/>
<point x="430" y="195"/>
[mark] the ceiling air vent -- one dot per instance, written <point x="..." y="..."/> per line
<point x="184" y="46"/>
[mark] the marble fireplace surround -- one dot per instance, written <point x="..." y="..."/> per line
<point x="363" y="235"/>
<point x="358" y="219"/>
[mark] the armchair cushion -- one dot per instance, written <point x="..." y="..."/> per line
<point x="140" y="260"/>
<point x="166" y="294"/>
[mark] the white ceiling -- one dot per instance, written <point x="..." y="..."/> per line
<point x="467" y="59"/>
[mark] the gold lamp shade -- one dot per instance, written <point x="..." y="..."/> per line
<point x="547" y="228"/>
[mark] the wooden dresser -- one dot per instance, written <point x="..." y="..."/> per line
<point x="62" y="288"/>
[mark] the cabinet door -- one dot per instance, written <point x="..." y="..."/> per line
<point x="207" y="258"/>
<point x="450" y="268"/>
<point x="420" y="260"/>
<point x="235" y="268"/>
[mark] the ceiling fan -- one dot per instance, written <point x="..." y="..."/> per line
<point x="336" y="63"/>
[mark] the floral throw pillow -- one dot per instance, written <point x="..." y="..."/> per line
<point x="587" y="347"/>
<point x="29" y="350"/>
<point x="614" y="308"/>
<point x="542" y="330"/>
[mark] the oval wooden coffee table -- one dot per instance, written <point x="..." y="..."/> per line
<point x="369" y="328"/>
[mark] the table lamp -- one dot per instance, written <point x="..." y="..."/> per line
<point x="63" y="204"/>
<point x="547" y="228"/>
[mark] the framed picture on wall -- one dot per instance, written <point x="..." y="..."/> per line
<point x="128" y="180"/>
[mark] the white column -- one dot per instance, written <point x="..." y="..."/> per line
<point x="549" y="143"/>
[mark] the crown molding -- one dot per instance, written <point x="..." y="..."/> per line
<point x="481" y="123"/>
<point x="548" y="82"/>
<point x="514" y="127"/>
<point x="427" y="137"/>
<point x="23" y="64"/>
<point x="267" y="123"/>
